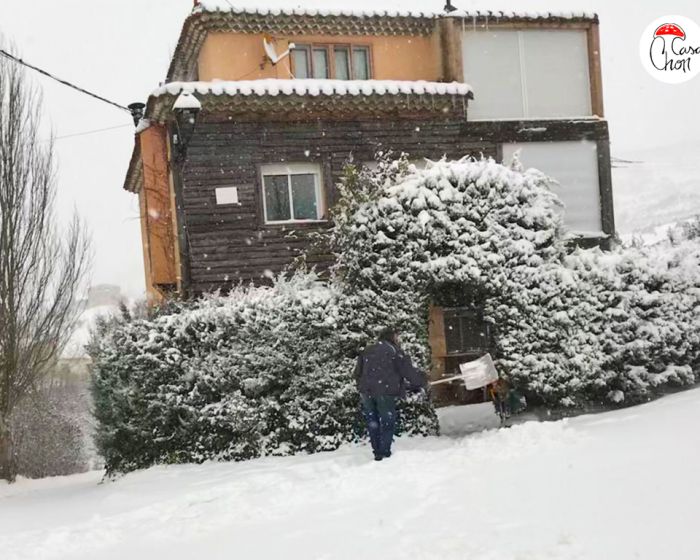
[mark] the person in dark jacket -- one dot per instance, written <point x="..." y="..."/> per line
<point x="383" y="370"/>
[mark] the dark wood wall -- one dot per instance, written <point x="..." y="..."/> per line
<point x="228" y="244"/>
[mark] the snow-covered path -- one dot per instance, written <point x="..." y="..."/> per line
<point x="620" y="485"/>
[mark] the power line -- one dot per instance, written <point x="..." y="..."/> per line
<point x="92" y="131"/>
<point x="59" y="80"/>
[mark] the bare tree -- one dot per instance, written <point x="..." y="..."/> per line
<point x="41" y="269"/>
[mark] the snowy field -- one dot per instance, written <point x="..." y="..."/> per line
<point x="619" y="485"/>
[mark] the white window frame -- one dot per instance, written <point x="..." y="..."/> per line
<point x="588" y="113"/>
<point x="290" y="169"/>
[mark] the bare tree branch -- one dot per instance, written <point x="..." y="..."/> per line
<point x="41" y="270"/>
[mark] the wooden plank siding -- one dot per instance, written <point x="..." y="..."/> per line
<point x="228" y="244"/>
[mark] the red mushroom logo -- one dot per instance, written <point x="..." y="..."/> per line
<point x="670" y="49"/>
<point x="669" y="29"/>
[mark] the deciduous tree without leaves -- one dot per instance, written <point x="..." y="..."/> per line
<point x="41" y="269"/>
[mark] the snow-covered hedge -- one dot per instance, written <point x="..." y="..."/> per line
<point x="643" y="304"/>
<point x="261" y="371"/>
<point x="269" y="370"/>
<point x="568" y="329"/>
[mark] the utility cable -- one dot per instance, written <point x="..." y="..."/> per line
<point x="59" y="80"/>
<point x="85" y="133"/>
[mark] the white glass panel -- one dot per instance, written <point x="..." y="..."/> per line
<point x="276" y="197"/>
<point x="492" y="67"/>
<point x="360" y="64"/>
<point x="556" y="73"/>
<point x="575" y="166"/>
<point x="304" y="197"/>
<point x="320" y="63"/>
<point x="301" y="63"/>
<point x="342" y="63"/>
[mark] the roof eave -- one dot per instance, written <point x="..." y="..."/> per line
<point x="134" y="174"/>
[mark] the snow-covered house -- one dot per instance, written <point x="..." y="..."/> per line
<point x="237" y="156"/>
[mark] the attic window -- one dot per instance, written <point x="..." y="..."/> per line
<point x="340" y="62"/>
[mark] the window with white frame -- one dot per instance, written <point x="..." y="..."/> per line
<point x="292" y="192"/>
<point x="574" y="165"/>
<point x="527" y="73"/>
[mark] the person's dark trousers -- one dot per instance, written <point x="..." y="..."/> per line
<point x="380" y="414"/>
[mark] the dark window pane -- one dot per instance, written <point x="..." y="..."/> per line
<point x="304" y="197"/>
<point x="342" y="63"/>
<point x="300" y="60"/>
<point x="453" y="337"/>
<point x="465" y="331"/>
<point x="277" y="197"/>
<point x="360" y="63"/>
<point x="320" y="63"/>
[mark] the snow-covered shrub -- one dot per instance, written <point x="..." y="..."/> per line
<point x="644" y="303"/>
<point x="569" y="327"/>
<point x="490" y="235"/>
<point x="261" y="371"/>
<point x="49" y="430"/>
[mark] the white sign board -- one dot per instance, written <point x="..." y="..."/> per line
<point x="479" y="373"/>
<point x="227" y="195"/>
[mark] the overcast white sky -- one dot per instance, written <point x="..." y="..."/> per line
<point x="121" y="49"/>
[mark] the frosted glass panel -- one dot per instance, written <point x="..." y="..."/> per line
<point x="276" y="197"/>
<point x="492" y="68"/>
<point x="342" y="63"/>
<point x="300" y="58"/>
<point x="556" y="73"/>
<point x="527" y="73"/>
<point x="320" y="64"/>
<point x="304" y="196"/>
<point x="575" y="166"/>
<point x="360" y="63"/>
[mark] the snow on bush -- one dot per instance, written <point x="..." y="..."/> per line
<point x="567" y="329"/>
<point x="268" y="370"/>
<point x="260" y="371"/>
<point x="644" y="304"/>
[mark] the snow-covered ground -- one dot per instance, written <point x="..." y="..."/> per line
<point x="619" y="485"/>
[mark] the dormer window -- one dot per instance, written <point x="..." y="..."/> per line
<point x="340" y="62"/>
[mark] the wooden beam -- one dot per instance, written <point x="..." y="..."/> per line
<point x="436" y="340"/>
<point x="175" y="221"/>
<point x="451" y="50"/>
<point x="607" y="209"/>
<point x="595" y="72"/>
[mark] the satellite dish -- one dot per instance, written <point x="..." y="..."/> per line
<point x="271" y="51"/>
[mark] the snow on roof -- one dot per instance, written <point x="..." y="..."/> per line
<point x="274" y="87"/>
<point x="187" y="101"/>
<point x="381" y="8"/>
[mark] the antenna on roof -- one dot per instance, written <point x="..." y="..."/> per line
<point x="449" y="7"/>
<point x="271" y="51"/>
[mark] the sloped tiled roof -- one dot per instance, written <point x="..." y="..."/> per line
<point x="335" y="97"/>
<point x="303" y="18"/>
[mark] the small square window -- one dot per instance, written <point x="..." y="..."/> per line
<point x="292" y="193"/>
